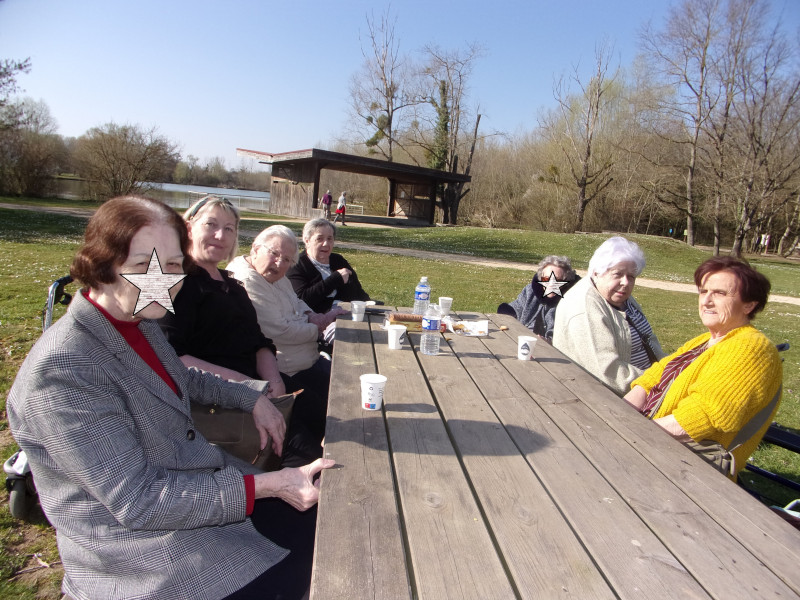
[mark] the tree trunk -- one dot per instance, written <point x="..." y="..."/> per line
<point x="459" y="194"/>
<point x="717" y="232"/>
<point x="791" y="224"/>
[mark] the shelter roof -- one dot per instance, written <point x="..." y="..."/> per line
<point x="338" y="161"/>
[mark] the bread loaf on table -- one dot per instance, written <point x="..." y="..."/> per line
<point x="411" y="321"/>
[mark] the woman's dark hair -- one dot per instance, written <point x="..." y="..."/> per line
<point x="108" y="236"/>
<point x="751" y="285"/>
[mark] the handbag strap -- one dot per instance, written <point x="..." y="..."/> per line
<point x="645" y="340"/>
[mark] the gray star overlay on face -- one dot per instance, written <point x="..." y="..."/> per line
<point x="154" y="286"/>
<point x="553" y="285"/>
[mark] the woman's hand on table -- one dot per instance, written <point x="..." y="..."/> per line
<point x="322" y="320"/>
<point x="296" y="487"/>
<point x="636" y="397"/>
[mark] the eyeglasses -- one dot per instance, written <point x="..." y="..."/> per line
<point x="216" y="199"/>
<point x="277" y="256"/>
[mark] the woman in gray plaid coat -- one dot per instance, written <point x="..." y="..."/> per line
<point x="143" y="505"/>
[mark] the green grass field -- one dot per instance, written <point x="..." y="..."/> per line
<point x="37" y="248"/>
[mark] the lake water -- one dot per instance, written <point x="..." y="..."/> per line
<point x="178" y="196"/>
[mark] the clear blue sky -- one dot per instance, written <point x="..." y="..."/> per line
<point x="274" y="75"/>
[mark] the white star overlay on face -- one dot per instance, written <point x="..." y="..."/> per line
<point x="553" y="285"/>
<point x="154" y="286"/>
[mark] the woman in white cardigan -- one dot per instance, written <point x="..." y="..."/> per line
<point x="288" y="321"/>
<point x="598" y="323"/>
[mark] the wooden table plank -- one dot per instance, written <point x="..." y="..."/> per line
<point x="451" y="552"/>
<point x="359" y="552"/>
<point x="630" y="556"/>
<point x="690" y="533"/>
<point x="545" y="558"/>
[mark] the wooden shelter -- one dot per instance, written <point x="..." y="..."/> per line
<point x="296" y="191"/>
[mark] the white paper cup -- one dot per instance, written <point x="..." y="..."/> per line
<point x="357" y="308"/>
<point x="525" y="346"/>
<point x="396" y="336"/>
<point x="445" y="304"/>
<point x="372" y="386"/>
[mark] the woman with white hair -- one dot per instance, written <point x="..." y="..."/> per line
<point x="283" y="317"/>
<point x="600" y="326"/>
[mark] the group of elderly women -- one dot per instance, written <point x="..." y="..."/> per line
<point x="145" y="507"/>
<point x="717" y="393"/>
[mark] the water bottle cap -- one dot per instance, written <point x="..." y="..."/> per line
<point x="423" y="280"/>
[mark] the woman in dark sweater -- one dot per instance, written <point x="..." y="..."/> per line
<point x="320" y="275"/>
<point x="535" y="307"/>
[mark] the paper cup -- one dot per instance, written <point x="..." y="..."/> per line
<point x="396" y="336"/>
<point x="357" y="308"/>
<point x="525" y="346"/>
<point x="372" y="386"/>
<point x="445" y="304"/>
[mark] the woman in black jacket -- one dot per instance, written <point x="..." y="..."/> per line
<point x="320" y="275"/>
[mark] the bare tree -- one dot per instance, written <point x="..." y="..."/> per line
<point x="9" y="69"/>
<point x="739" y="28"/>
<point x="31" y="152"/>
<point x="576" y="129"/>
<point x="447" y="74"/>
<point x="681" y="54"/>
<point x="769" y="136"/>
<point x="122" y="159"/>
<point x="384" y="87"/>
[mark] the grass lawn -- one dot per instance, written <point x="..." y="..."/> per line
<point x="37" y="248"/>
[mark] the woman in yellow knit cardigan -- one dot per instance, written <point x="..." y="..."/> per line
<point x="718" y="392"/>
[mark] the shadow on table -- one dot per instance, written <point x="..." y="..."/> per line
<point x="425" y="435"/>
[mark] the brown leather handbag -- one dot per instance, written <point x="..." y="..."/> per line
<point x="234" y="431"/>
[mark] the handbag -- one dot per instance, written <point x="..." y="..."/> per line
<point x="234" y="430"/>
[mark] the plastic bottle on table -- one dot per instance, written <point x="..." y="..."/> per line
<point x="422" y="294"/>
<point x="431" y="337"/>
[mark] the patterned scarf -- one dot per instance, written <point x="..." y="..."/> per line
<point x="674" y="368"/>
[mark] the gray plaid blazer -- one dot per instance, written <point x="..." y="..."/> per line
<point x="141" y="510"/>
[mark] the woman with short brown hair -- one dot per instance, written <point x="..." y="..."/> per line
<point x="719" y="391"/>
<point x="142" y="504"/>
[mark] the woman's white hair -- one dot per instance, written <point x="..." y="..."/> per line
<point x="278" y="231"/>
<point x="614" y="251"/>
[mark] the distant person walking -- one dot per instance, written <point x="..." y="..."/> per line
<point x="327" y="199"/>
<point x="341" y="207"/>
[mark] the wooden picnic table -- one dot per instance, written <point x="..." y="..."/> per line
<point x="489" y="477"/>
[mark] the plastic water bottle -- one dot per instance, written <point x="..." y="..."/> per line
<point x="422" y="295"/>
<point x="431" y="321"/>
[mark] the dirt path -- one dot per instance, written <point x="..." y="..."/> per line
<point x="440" y="256"/>
<point x="507" y="264"/>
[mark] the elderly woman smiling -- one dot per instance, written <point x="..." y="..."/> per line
<point x="719" y="391"/>
<point x="320" y="275"/>
<point x="600" y="326"/>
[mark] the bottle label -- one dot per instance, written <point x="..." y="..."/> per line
<point x="420" y="295"/>
<point x="430" y="324"/>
